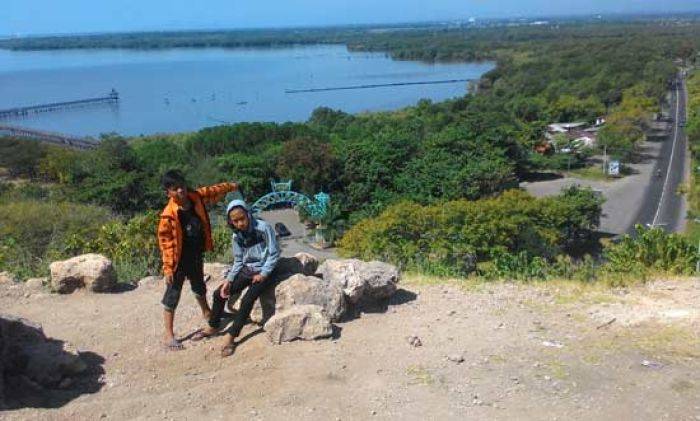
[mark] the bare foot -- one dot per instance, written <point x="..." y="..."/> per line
<point x="229" y="347"/>
<point x="172" y="344"/>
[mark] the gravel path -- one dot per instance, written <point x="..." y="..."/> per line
<point x="295" y="243"/>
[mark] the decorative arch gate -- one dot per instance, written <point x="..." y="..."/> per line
<point x="282" y="193"/>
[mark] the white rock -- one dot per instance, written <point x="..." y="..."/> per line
<point x="300" y="290"/>
<point x="91" y="271"/>
<point x="7" y="277"/>
<point x="35" y="284"/>
<point x="306" y="322"/>
<point x="150" y="281"/>
<point x="361" y="280"/>
<point x="216" y="272"/>
<point x="456" y="358"/>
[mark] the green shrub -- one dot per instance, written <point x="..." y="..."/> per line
<point x="511" y="230"/>
<point x="651" y="250"/>
<point x="33" y="231"/>
<point x="132" y="246"/>
<point x="21" y="156"/>
<point x="523" y="267"/>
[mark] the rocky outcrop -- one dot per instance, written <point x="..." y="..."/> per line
<point x="361" y="280"/>
<point x="300" y="290"/>
<point x="93" y="272"/>
<point x="28" y="359"/>
<point x="303" y="307"/>
<point x="305" y="322"/>
<point x="216" y="272"/>
<point x="7" y="278"/>
<point x="35" y="284"/>
<point x="150" y="281"/>
<point x="303" y="263"/>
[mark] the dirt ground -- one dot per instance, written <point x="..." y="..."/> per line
<point x="489" y="351"/>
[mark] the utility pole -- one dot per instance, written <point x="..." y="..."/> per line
<point x="605" y="159"/>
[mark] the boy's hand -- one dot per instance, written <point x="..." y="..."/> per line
<point x="168" y="279"/>
<point x="258" y="278"/>
<point x="225" y="291"/>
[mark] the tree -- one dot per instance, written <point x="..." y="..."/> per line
<point x="309" y="162"/>
<point x="21" y="156"/>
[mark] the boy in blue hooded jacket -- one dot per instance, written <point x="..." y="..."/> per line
<point x="255" y="253"/>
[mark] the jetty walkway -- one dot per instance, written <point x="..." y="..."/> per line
<point x="111" y="98"/>
<point x="49" y="137"/>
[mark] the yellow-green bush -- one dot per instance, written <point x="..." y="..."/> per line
<point x="449" y="238"/>
<point x="32" y="231"/>
<point x="651" y="251"/>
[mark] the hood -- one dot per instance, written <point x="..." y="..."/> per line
<point x="238" y="203"/>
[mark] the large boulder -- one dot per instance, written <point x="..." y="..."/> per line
<point x="93" y="272"/>
<point x="300" y="290"/>
<point x="303" y="263"/>
<point x="29" y="358"/>
<point x="216" y="272"/>
<point x="361" y="280"/>
<point x="305" y="322"/>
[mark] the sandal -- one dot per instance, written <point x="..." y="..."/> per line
<point x="201" y="334"/>
<point x="173" y="345"/>
<point x="228" y="350"/>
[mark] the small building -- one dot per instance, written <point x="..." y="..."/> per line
<point x="579" y="135"/>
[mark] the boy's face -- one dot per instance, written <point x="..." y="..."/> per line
<point x="178" y="194"/>
<point x="239" y="219"/>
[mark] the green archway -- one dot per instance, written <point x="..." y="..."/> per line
<point x="282" y="193"/>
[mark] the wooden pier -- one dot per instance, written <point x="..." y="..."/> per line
<point x="111" y="98"/>
<point x="49" y="137"/>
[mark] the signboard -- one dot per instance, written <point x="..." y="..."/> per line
<point x="614" y="168"/>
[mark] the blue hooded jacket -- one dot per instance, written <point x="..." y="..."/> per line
<point x="256" y="248"/>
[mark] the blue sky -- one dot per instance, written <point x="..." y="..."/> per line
<point x="70" y="16"/>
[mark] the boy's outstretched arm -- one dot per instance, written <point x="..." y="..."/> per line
<point x="213" y="194"/>
<point x="273" y="255"/>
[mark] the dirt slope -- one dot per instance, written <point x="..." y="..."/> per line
<point x="530" y="352"/>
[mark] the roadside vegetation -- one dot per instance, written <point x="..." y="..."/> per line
<point x="692" y="130"/>
<point x="428" y="187"/>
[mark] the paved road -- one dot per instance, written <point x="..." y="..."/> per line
<point x="661" y="205"/>
<point x="637" y="198"/>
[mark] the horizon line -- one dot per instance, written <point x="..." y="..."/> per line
<point x="691" y="14"/>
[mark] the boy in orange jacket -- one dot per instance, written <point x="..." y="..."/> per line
<point x="184" y="234"/>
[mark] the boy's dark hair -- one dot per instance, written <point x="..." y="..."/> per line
<point x="173" y="179"/>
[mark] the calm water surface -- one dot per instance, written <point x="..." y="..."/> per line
<point x="166" y="91"/>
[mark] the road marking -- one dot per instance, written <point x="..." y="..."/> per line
<point x="670" y="162"/>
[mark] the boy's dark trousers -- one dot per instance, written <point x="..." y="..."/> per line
<point x="241" y="281"/>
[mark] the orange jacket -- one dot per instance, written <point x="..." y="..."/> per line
<point x="170" y="231"/>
